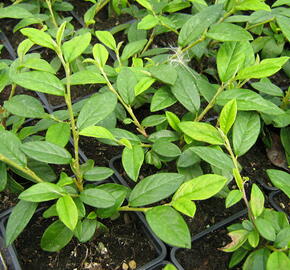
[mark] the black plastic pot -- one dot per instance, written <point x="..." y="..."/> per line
<point x="265" y="186"/>
<point x="272" y="197"/>
<point x="202" y="234"/>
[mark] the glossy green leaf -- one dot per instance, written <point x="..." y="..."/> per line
<point x="201" y="188"/>
<point x="172" y="120"/>
<point x="201" y="132"/>
<point x="187" y="158"/>
<point x="40" y="81"/>
<point x="85" y="77"/>
<point x="38" y="64"/>
<point x="14" y="11"/>
<point x="228" y="116"/>
<point x="133" y="48"/>
<point x="237" y="257"/>
<point x="169" y="226"/>
<point x="106" y="38"/>
<point x="185" y="206"/>
<point x="278" y="260"/>
<point x="39" y="37"/>
<point x="148" y="22"/>
<point x="46" y="152"/>
<point x="265" y="86"/>
<point x="101" y="54"/>
<point x="42" y="192"/>
<point x="126" y="82"/>
<point x="96" y="108"/>
<point x="18" y="219"/>
<point x="164" y="73"/>
<point x="162" y="99"/>
<point x="166" y="149"/>
<point x="143" y="84"/>
<point x="265" y="228"/>
<point x="10" y="148"/>
<point x="233" y="197"/>
<point x="252" y="5"/>
<point x="58" y="134"/>
<point x="280" y="180"/>
<point x="132" y="160"/>
<point x="67" y="211"/>
<point x="97" y="132"/>
<point x="55" y="237"/>
<point x="283" y="23"/>
<point x="97" y="198"/>
<point x="98" y="174"/>
<point x="85" y="230"/>
<point x="155" y="188"/>
<point x="257" y="259"/>
<point x="153" y="120"/>
<point x="245" y="132"/>
<point x="257" y="201"/>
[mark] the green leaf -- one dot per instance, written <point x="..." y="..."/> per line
<point x="237" y="257"/>
<point x="38" y="64"/>
<point x="98" y="174"/>
<point x="85" y="77"/>
<point x="257" y="259"/>
<point x="278" y="260"/>
<point x="145" y="4"/>
<point x="3" y="176"/>
<point x="254" y="238"/>
<point x="265" y="68"/>
<point x="185" y="90"/>
<point x="18" y="219"/>
<point x="46" y="152"/>
<point x="75" y="47"/>
<point x="132" y="160"/>
<point x="133" y="48"/>
<point x="283" y="238"/>
<point x="97" y="132"/>
<point x="10" y="148"/>
<point x="148" y="22"/>
<point x="85" y="230"/>
<point x="25" y="106"/>
<point x="58" y="134"/>
<point x="97" y="198"/>
<point x="267" y="87"/>
<point x="280" y="180"/>
<point x="40" y="81"/>
<point x="162" y="99"/>
<point x="166" y="149"/>
<point x="283" y="23"/>
<point x="214" y="157"/>
<point x="201" y="188"/>
<point x="245" y="132"/>
<point x="155" y="188"/>
<point x="153" y="120"/>
<point x="55" y="237"/>
<point x="107" y="38"/>
<point x="201" y="132"/>
<point x="257" y="201"/>
<point x="164" y="73"/>
<point x="228" y="32"/>
<point x="173" y="120"/>
<point x="198" y="23"/>
<point x="252" y="5"/>
<point x="187" y="158"/>
<point x="143" y="84"/>
<point x="169" y="267"/>
<point x="238" y="238"/>
<point x="42" y="192"/>
<point x="265" y="228"/>
<point x="248" y="100"/>
<point x="185" y="206"/>
<point x="228" y="116"/>
<point x="101" y="54"/>
<point x="230" y="59"/>
<point x="39" y="37"/>
<point x="15" y="12"/>
<point x="96" y="108"/>
<point x="67" y="211"/>
<point x="126" y="82"/>
<point x="233" y="197"/>
<point x="169" y="226"/>
<point x="60" y="33"/>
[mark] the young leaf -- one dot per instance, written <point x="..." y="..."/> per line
<point x="280" y="180"/>
<point x="55" y="237"/>
<point x="98" y="174"/>
<point x="145" y="4"/>
<point x="228" y="116"/>
<point x="185" y="206"/>
<point x="46" y="152"/>
<point x="42" y="192"/>
<point x="60" y="32"/>
<point x="155" y="188"/>
<point x="148" y="22"/>
<point x="133" y="48"/>
<point x="40" y="81"/>
<point x="169" y="226"/>
<point x="233" y="197"/>
<point x="143" y="84"/>
<point x="97" y="198"/>
<point x="201" y="188"/>
<point x="39" y="37"/>
<point x="245" y="132"/>
<point x="201" y="132"/>
<point x="107" y="38"/>
<point x="257" y="201"/>
<point x="58" y="134"/>
<point x="101" y="54"/>
<point x="75" y="47"/>
<point x="97" y="132"/>
<point x="173" y="120"/>
<point x="132" y="160"/>
<point x="96" y="108"/>
<point x="228" y="32"/>
<point x="67" y="211"/>
<point x="18" y="219"/>
<point x="10" y="148"/>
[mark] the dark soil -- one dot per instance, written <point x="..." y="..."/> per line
<point x="283" y="202"/>
<point x="126" y="241"/>
<point x="7" y="200"/>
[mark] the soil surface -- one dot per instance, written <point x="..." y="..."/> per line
<point x="125" y="242"/>
<point x="283" y="202"/>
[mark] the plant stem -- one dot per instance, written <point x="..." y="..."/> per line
<point x="286" y="99"/>
<point x="26" y="170"/>
<point x="100" y="6"/>
<point x="12" y="92"/>
<point x="128" y="108"/>
<point x="257" y="24"/>
<point x="151" y="38"/>
<point x="51" y="13"/>
<point x="202" y="38"/>
<point x="135" y="209"/>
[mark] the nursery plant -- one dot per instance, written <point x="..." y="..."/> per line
<point x="208" y="96"/>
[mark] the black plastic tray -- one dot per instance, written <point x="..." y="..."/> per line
<point x="274" y="204"/>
